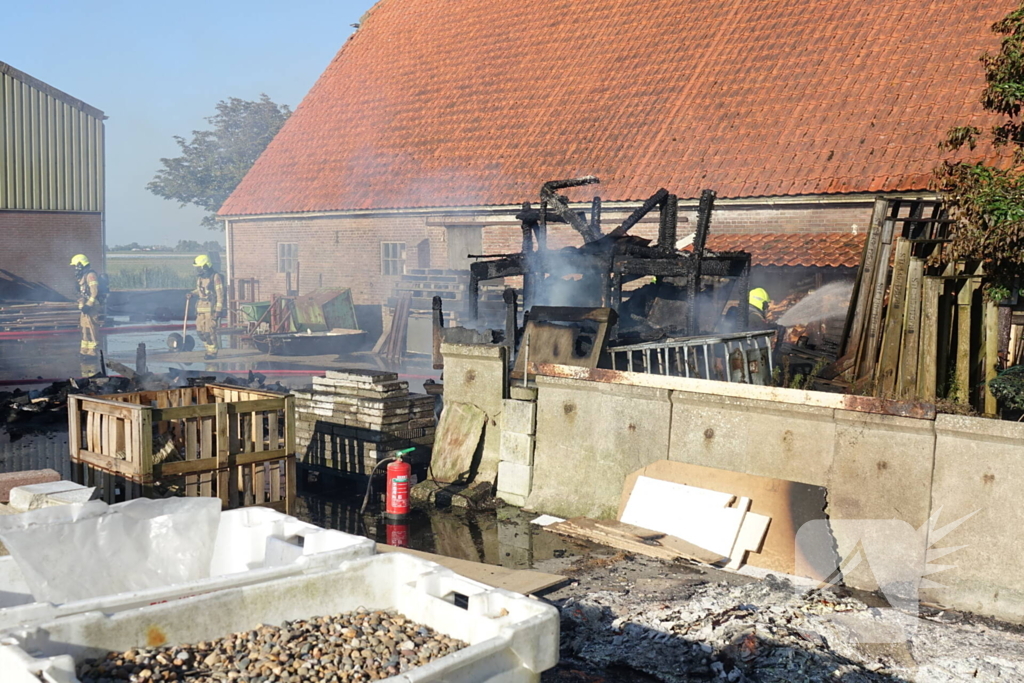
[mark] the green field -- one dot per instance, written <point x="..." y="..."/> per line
<point x="151" y="271"/>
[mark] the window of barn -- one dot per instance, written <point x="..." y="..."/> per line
<point x="392" y="258"/>
<point x="287" y="257"/>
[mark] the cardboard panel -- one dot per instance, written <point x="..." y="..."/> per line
<point x="789" y="504"/>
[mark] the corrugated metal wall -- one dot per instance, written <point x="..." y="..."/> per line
<point x="51" y="148"/>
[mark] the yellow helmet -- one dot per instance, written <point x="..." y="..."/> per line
<point x="759" y="298"/>
<point x="80" y="260"/>
<point x="201" y="261"/>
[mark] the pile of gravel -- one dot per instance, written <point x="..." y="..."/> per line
<point x="344" y="648"/>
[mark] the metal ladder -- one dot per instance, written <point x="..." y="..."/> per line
<point x="743" y="357"/>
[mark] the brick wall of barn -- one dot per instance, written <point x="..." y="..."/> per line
<point x="37" y="248"/>
<point x="346" y="251"/>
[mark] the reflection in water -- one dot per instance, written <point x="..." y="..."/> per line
<point x="503" y="537"/>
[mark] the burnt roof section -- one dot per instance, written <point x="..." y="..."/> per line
<point x="53" y="92"/>
<point x="478" y="102"/>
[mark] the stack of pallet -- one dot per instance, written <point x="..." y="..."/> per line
<point x="351" y="420"/>
<point x="42" y="315"/>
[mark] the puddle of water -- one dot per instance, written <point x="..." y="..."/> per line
<point x="501" y="537"/>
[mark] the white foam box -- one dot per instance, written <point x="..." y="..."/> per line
<point x="253" y="544"/>
<point x="512" y="638"/>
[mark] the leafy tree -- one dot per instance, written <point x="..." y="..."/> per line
<point x="214" y="161"/>
<point x="988" y="200"/>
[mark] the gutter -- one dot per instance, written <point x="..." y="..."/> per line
<point x="502" y="211"/>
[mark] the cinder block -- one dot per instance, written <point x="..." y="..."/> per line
<point x="35" y="496"/>
<point x="517" y="448"/>
<point x="519" y="416"/>
<point x="521" y="393"/>
<point x="514" y="479"/>
<point x="12" y="480"/>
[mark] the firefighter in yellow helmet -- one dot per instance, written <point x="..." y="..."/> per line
<point x="210" y="307"/>
<point x="91" y="303"/>
<point x="758" y="300"/>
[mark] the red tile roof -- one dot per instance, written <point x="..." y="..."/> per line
<point x="478" y="102"/>
<point x="794" y="248"/>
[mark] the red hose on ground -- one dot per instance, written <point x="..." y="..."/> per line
<point x="123" y="329"/>
<point x="268" y="373"/>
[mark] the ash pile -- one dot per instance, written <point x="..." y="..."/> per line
<point x="773" y="632"/>
<point x="350" y="420"/>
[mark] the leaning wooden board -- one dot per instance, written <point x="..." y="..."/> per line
<point x="523" y="581"/>
<point x="789" y="504"/>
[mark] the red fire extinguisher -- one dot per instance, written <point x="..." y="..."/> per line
<point x="397" y="492"/>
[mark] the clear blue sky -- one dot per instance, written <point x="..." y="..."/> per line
<point x="157" y="69"/>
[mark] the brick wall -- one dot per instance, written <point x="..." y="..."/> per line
<point x="340" y="251"/>
<point x="37" y="247"/>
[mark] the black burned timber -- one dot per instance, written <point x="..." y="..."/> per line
<point x="615" y="258"/>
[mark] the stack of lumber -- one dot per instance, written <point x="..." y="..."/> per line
<point x="918" y="327"/>
<point x="350" y="420"/>
<point x="41" y="315"/>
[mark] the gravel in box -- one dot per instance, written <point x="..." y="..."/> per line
<point x="344" y="648"/>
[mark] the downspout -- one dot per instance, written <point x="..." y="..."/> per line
<point x="230" y="269"/>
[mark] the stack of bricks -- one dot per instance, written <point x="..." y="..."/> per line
<point x="353" y="419"/>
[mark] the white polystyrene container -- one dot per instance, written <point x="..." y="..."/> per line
<point x="253" y="544"/>
<point x="512" y="638"/>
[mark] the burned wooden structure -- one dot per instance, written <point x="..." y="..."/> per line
<point x="606" y="262"/>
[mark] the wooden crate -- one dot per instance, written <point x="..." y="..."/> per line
<point x="228" y="442"/>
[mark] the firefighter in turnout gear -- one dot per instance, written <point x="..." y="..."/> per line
<point x="210" y="307"/>
<point x="91" y="300"/>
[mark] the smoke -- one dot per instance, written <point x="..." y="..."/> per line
<point x="830" y="301"/>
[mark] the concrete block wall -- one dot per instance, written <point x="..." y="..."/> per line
<point x="515" y="471"/>
<point x="477" y="374"/>
<point x="951" y="481"/>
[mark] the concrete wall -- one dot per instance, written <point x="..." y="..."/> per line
<point x="943" y="481"/>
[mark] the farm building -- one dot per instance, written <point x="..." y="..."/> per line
<point x="51" y="186"/>
<point x="434" y="122"/>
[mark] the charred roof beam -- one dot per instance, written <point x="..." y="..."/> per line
<point x="560" y="206"/>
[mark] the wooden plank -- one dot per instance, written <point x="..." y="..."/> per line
<point x="523" y="581"/>
<point x="258" y="480"/>
<point x="867" y="354"/>
<point x="144" y="429"/>
<point x="107" y="463"/>
<point x="74" y="426"/>
<point x="104" y="407"/>
<point x="261" y="405"/>
<point x="888" y="362"/>
<point x="183" y="412"/>
<point x="964" y="303"/>
<point x="909" y="357"/>
<point x="990" y="355"/>
<point x="928" y="342"/>
<point x="633" y="539"/>
<point x="222" y="445"/>
<point x="291" y="475"/>
<point x="860" y="301"/>
<point x="191" y="454"/>
<point x="206" y="450"/>
<point x="274" y="469"/>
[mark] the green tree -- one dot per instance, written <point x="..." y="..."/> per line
<point x="988" y="200"/>
<point x="214" y="161"/>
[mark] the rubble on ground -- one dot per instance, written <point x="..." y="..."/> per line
<point x="45" y="410"/>
<point x="695" y="627"/>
